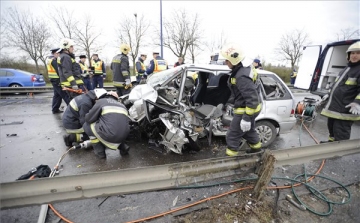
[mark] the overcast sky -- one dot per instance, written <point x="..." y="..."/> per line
<point x="256" y="25"/>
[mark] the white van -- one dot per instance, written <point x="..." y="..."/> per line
<point x="319" y="69"/>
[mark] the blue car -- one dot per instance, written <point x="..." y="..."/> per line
<point x="19" y="78"/>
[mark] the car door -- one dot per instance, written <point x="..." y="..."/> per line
<point x="307" y="66"/>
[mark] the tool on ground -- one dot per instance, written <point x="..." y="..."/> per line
<point x="291" y="200"/>
<point x="306" y="109"/>
<point x="83" y="145"/>
<point x="79" y="91"/>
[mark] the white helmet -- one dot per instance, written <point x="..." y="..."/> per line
<point x="233" y="53"/>
<point x="352" y="48"/>
<point x="99" y="92"/>
<point x="66" y="43"/>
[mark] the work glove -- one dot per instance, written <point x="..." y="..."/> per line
<point x="75" y="87"/>
<point x="354" y="108"/>
<point x="325" y="98"/>
<point x="245" y="126"/>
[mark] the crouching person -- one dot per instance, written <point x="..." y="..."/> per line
<point x="74" y="116"/>
<point x="107" y="125"/>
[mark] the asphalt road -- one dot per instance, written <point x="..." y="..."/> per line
<point x="38" y="140"/>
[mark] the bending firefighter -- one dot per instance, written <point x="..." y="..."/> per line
<point x="343" y="106"/>
<point x="107" y="125"/>
<point x="74" y="115"/>
<point x="69" y="70"/>
<point x="121" y="71"/>
<point x="245" y="97"/>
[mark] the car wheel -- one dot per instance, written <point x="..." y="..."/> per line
<point x="266" y="131"/>
<point x="15" y="85"/>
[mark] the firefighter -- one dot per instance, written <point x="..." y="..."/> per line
<point x="140" y="68"/>
<point x="244" y="89"/>
<point x="69" y="70"/>
<point x="53" y="73"/>
<point x="121" y="71"/>
<point x="99" y="71"/>
<point x="107" y="125"/>
<point x="157" y="64"/>
<point x="74" y="116"/>
<point x="343" y="102"/>
<point x="85" y="73"/>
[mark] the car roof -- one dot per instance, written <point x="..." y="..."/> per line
<point x="215" y="67"/>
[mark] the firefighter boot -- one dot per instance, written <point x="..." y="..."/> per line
<point x="99" y="150"/>
<point x="254" y="148"/>
<point x="69" y="139"/>
<point x="124" y="149"/>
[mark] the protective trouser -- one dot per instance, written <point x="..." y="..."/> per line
<point x="99" y="148"/>
<point x="122" y="91"/>
<point x="339" y="129"/>
<point x="98" y="81"/>
<point x="58" y="96"/>
<point x="88" y="83"/>
<point x="75" y="137"/>
<point x="234" y="134"/>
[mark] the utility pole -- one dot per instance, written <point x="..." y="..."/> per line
<point x="161" y="34"/>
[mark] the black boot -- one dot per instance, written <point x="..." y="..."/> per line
<point x="124" y="149"/>
<point x="99" y="150"/>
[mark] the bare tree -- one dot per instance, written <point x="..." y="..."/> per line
<point x="64" y="21"/>
<point x="290" y="46"/>
<point x="216" y="42"/>
<point x="86" y="37"/>
<point x="133" y="31"/>
<point x="181" y="31"/>
<point x="29" y="34"/>
<point x="3" y="29"/>
<point x="348" y="33"/>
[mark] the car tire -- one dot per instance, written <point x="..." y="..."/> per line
<point x="266" y="131"/>
<point x="15" y="85"/>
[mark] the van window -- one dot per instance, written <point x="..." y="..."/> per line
<point x="273" y="89"/>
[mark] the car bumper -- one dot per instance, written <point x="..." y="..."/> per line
<point x="286" y="127"/>
<point x="38" y="84"/>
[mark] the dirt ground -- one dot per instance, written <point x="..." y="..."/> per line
<point x="240" y="207"/>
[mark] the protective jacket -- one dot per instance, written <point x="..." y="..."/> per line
<point x="345" y="91"/>
<point x="140" y="67"/>
<point x="121" y="70"/>
<point x="109" y="122"/>
<point x="69" y="70"/>
<point x="156" y="65"/>
<point x="99" y="67"/>
<point x="244" y="88"/>
<point x="74" y="115"/>
<point x="84" y="69"/>
<point x="52" y="68"/>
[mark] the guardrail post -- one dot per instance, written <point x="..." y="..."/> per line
<point x="265" y="171"/>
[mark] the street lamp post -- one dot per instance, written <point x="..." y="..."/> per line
<point x="161" y="34"/>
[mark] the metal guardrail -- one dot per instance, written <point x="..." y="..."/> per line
<point x="66" y="188"/>
<point x="10" y="90"/>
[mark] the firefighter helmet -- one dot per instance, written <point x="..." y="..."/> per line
<point x="66" y="43"/>
<point x="352" y="48"/>
<point x="125" y="48"/>
<point x="99" y="92"/>
<point x="233" y="53"/>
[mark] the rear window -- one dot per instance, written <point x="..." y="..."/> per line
<point x="25" y="72"/>
<point x="2" y="73"/>
<point x="9" y="74"/>
<point x="272" y="87"/>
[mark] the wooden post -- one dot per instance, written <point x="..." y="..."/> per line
<point x="264" y="172"/>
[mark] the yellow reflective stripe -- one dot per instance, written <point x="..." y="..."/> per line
<point x="81" y="130"/>
<point x="331" y="139"/>
<point x="125" y="73"/>
<point x="233" y="80"/>
<point x="251" y="111"/>
<point x="357" y="97"/>
<point x="107" y="144"/>
<point x="74" y="105"/>
<point x="93" y="141"/>
<point x="351" y="82"/>
<point x="71" y="78"/>
<point x="340" y="116"/>
<point x="66" y="84"/>
<point x="78" y="137"/>
<point x="53" y="76"/>
<point x="255" y="146"/>
<point x="116" y="61"/>
<point x="247" y="110"/>
<point x="118" y="84"/>
<point x="79" y="82"/>
<point x="113" y="109"/>
<point x="72" y="60"/>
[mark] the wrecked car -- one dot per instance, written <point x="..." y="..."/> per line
<point x="178" y="106"/>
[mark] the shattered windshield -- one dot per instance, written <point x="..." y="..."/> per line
<point x="160" y="77"/>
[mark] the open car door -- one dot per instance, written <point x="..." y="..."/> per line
<point x="307" y="66"/>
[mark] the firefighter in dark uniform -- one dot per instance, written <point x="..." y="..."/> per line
<point x="121" y="71"/>
<point x="343" y="105"/>
<point x="85" y="73"/>
<point x="53" y="74"/>
<point x="107" y="125"/>
<point x="245" y="97"/>
<point x="69" y="70"/>
<point x="140" y="68"/>
<point x="157" y="64"/>
<point x="74" y="116"/>
<point x="99" y="71"/>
